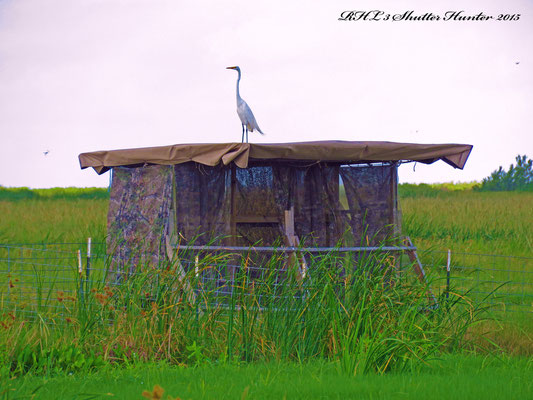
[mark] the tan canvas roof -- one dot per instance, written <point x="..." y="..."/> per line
<point x="242" y="153"/>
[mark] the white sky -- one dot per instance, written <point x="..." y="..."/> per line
<point x="85" y="75"/>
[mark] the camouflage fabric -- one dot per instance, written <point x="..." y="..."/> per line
<point x="202" y="202"/>
<point x="268" y="189"/>
<point x="371" y="202"/>
<point x="141" y="205"/>
<point x="316" y="204"/>
<point x="256" y="196"/>
<point x="139" y="210"/>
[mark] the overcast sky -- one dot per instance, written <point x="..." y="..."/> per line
<point x="85" y="75"/>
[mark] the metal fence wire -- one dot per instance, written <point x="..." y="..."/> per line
<point x="270" y="271"/>
<point x="45" y="277"/>
<point x="505" y="282"/>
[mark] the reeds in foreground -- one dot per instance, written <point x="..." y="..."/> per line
<point x="352" y="310"/>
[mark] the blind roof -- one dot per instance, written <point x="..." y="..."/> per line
<point x="242" y="154"/>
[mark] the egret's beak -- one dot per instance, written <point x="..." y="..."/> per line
<point x="231" y="67"/>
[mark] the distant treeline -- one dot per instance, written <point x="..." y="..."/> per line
<point x="71" y="193"/>
<point x="518" y="177"/>
<point x="434" y="189"/>
<point x="24" y="193"/>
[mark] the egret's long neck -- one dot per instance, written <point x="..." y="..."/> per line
<point x="238" y="95"/>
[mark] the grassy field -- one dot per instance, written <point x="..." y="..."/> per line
<point x="474" y="222"/>
<point x="457" y="377"/>
<point x="52" y="220"/>
<point x="363" y="341"/>
<point x="436" y="217"/>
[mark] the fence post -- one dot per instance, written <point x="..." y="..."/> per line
<point x="196" y="269"/>
<point x="88" y="265"/>
<point x="21" y="272"/>
<point x="80" y="274"/>
<point x="448" y="274"/>
<point x="8" y="272"/>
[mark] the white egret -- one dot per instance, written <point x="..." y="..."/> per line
<point x="245" y="113"/>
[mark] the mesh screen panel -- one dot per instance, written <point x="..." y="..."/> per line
<point x="263" y="192"/>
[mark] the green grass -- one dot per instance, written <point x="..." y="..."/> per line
<point x="364" y="322"/>
<point x="72" y="193"/>
<point x="406" y="190"/>
<point x="439" y="216"/>
<point x="455" y="377"/>
<point x="475" y="222"/>
<point x="142" y="331"/>
<point x="53" y="220"/>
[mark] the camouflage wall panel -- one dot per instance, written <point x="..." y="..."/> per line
<point x="316" y="204"/>
<point x="202" y="202"/>
<point x="369" y="191"/>
<point x="141" y="199"/>
<point x="257" y="196"/>
<point x="139" y="210"/>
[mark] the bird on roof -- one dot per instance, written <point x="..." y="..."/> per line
<point x="245" y="113"/>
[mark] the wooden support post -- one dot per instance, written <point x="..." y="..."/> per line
<point x="293" y="241"/>
<point x="417" y="266"/>
<point x="180" y="271"/>
<point x="289" y="224"/>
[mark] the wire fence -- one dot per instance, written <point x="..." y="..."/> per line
<point x="505" y="282"/>
<point x="271" y="270"/>
<point x="39" y="277"/>
<point x="44" y="277"/>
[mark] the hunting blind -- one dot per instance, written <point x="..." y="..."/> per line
<point x="322" y="193"/>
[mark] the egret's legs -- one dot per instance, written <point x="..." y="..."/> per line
<point x="246" y="134"/>
<point x="242" y="133"/>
